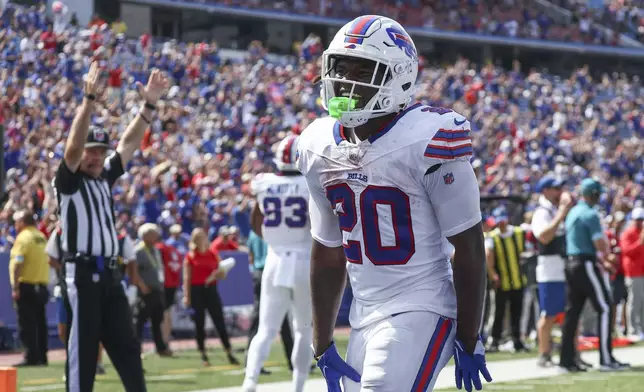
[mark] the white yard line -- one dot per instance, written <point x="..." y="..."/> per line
<point x="502" y="371"/>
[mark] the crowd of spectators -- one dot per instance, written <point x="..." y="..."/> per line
<point x="623" y="16"/>
<point x="215" y="130"/>
<point x="507" y="18"/>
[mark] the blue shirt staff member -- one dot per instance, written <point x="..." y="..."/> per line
<point x="587" y="277"/>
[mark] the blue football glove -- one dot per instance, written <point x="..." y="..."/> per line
<point x="334" y="368"/>
<point x="468" y="366"/>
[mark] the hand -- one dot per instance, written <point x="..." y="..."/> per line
<point x="565" y="202"/>
<point x="609" y="267"/>
<point x="15" y="293"/>
<point x="469" y="365"/>
<point x="144" y="289"/>
<point x="186" y="301"/>
<point x="220" y="274"/>
<point x="92" y="79"/>
<point x="495" y="281"/>
<point x="157" y="86"/>
<point x="334" y="368"/>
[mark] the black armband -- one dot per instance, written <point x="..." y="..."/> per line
<point x="149" y="106"/>
<point x="91" y="97"/>
<point x="145" y="118"/>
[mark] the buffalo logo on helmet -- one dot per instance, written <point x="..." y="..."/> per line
<point x="402" y="41"/>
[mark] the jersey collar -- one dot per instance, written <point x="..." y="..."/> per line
<point x="339" y="134"/>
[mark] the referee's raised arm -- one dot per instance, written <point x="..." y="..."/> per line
<point x="131" y="140"/>
<point x="80" y="126"/>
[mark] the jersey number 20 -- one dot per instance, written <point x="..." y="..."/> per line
<point x="273" y="213"/>
<point x="370" y="198"/>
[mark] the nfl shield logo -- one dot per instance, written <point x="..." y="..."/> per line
<point x="448" y="178"/>
<point x="99" y="136"/>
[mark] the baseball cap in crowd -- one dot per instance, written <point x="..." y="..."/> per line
<point x="224" y="231"/>
<point x="638" y="214"/>
<point x="500" y="215"/>
<point x="175" y="229"/>
<point x="548" y="182"/>
<point x="590" y="187"/>
<point x="98" y="137"/>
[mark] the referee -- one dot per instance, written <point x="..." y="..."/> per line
<point x="94" y="296"/>
<point x="588" y="260"/>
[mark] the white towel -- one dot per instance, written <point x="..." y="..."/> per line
<point x="285" y="269"/>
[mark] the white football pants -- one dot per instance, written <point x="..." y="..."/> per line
<point x="401" y="353"/>
<point x="275" y="302"/>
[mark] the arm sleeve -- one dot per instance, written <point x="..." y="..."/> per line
<point x="113" y="168"/>
<point x="19" y="249"/>
<point x="594" y="226"/>
<point x="128" y="250"/>
<point x="67" y="182"/>
<point x="456" y="201"/>
<point x="325" y="227"/>
<point x="52" y="246"/>
<point x="540" y="220"/>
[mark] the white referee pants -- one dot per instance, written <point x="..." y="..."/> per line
<point x="276" y="300"/>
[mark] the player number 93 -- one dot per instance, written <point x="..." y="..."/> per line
<point x="275" y="212"/>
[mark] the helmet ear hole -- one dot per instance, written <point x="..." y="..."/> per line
<point x="406" y="86"/>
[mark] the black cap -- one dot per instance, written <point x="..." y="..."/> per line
<point x="98" y="137"/>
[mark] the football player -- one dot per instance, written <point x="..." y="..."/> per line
<point x="281" y="217"/>
<point x="391" y="187"/>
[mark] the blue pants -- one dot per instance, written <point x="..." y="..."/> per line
<point x="61" y="311"/>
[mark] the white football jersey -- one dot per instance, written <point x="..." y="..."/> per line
<point x="391" y="201"/>
<point x="283" y="200"/>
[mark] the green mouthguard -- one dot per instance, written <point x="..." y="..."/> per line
<point x="340" y="105"/>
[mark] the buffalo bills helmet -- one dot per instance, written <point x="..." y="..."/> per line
<point x="372" y="42"/>
<point x="286" y="154"/>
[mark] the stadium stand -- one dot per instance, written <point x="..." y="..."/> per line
<point x="513" y="18"/>
<point x="626" y="17"/>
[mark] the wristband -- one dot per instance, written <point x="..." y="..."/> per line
<point x="149" y="106"/>
<point x="145" y="118"/>
<point x="91" y="97"/>
<point x="317" y="357"/>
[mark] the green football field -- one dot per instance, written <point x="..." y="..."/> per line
<point x="185" y="373"/>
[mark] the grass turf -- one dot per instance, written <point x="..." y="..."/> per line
<point x="184" y="373"/>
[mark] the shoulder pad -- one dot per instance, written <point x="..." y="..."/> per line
<point x="317" y="132"/>
<point x="452" y="140"/>
<point x="313" y="141"/>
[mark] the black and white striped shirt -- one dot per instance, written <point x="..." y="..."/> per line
<point x="85" y="209"/>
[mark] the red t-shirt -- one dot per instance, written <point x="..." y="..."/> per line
<point x="115" y="78"/>
<point x="171" y="263"/>
<point x="96" y="41"/>
<point x="218" y="245"/>
<point x="203" y="264"/>
<point x="49" y="40"/>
